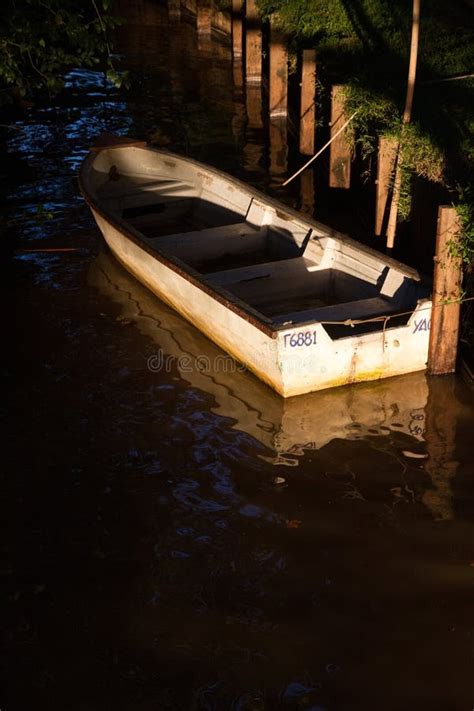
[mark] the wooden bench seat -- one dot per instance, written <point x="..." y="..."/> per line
<point x="359" y="309"/>
<point x="202" y="245"/>
<point x="296" y="267"/>
<point x="124" y="188"/>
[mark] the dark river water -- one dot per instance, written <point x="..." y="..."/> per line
<point x="179" y="537"/>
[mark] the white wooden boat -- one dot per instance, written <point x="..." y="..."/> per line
<point x="287" y="428"/>
<point x="302" y="306"/>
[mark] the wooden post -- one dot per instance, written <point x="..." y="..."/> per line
<point x="222" y="22"/>
<point x="307" y="192"/>
<point x="442" y="415"/>
<point x="385" y="172"/>
<point x="444" y="331"/>
<point x="415" y="33"/>
<point x="238" y="123"/>
<point x="253" y="96"/>
<point x="278" y="145"/>
<point x="340" y="151"/>
<point x="191" y="6"/>
<point x="204" y="17"/>
<point x="253" y="44"/>
<point x="174" y="9"/>
<point x="278" y="76"/>
<point x="237" y="30"/>
<point x="307" y="104"/>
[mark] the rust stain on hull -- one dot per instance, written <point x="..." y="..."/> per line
<point x="366" y="376"/>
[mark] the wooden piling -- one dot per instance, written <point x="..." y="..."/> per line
<point x="190" y="6"/>
<point x="307" y="192"/>
<point x="307" y="103"/>
<point x="237" y="73"/>
<point x="444" y="331"/>
<point x="204" y="17"/>
<point x="237" y="30"/>
<point x="253" y="44"/>
<point x="174" y="9"/>
<point x="387" y="154"/>
<point x="340" y="151"/>
<point x="278" y="150"/>
<point x="222" y="22"/>
<point x="278" y="76"/>
<point x="253" y="101"/>
<point x="443" y="411"/>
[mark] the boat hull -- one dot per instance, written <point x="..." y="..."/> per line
<point x="294" y="360"/>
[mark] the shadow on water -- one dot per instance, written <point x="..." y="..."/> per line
<point x="179" y="537"/>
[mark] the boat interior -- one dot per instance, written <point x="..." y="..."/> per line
<point x="285" y="269"/>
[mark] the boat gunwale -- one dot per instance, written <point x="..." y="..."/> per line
<point x="226" y="298"/>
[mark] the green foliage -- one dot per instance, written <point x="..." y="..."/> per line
<point x="315" y="20"/>
<point x="376" y="114"/>
<point x="365" y="45"/>
<point x="420" y="154"/>
<point x="40" y="39"/>
<point x="464" y="248"/>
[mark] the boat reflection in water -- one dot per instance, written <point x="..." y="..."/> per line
<point x="286" y="427"/>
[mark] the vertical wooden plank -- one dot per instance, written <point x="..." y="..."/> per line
<point x="238" y="123"/>
<point x="443" y="410"/>
<point x="204" y="17"/>
<point x="444" y="332"/>
<point x="237" y="38"/>
<point x="253" y="96"/>
<point x="237" y="72"/>
<point x="174" y="9"/>
<point x="237" y="30"/>
<point x="307" y="192"/>
<point x="191" y="6"/>
<point x="387" y="154"/>
<point x="340" y="151"/>
<point x="253" y="44"/>
<point x="278" y="75"/>
<point x="278" y="145"/>
<point x="222" y="22"/>
<point x="307" y="103"/>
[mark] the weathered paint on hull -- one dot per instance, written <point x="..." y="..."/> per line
<point x="224" y="327"/>
<point x="289" y="370"/>
<point x="285" y="426"/>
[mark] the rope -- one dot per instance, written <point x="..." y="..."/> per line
<point x="460" y="77"/>
<point x="320" y="151"/>
<point x="387" y="317"/>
